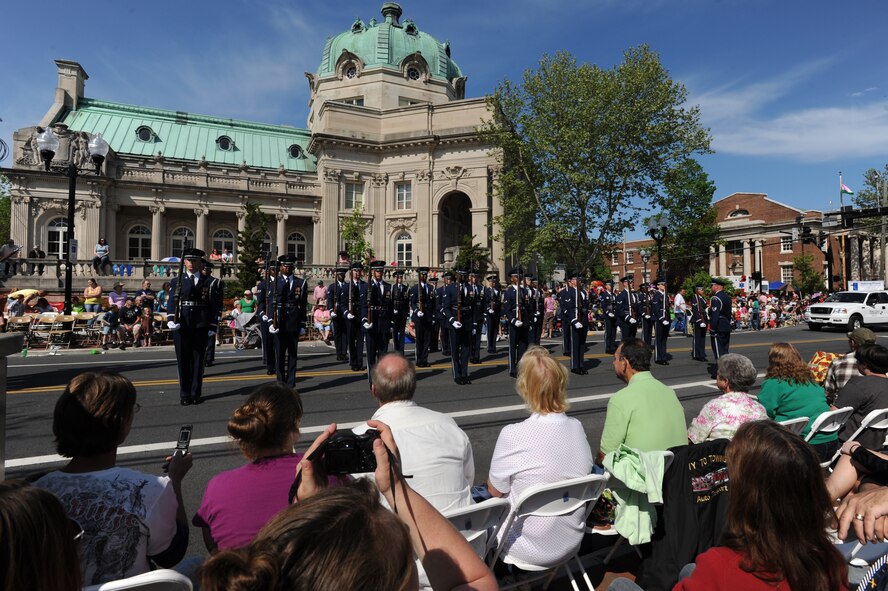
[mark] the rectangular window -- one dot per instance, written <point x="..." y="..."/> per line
<point x="139" y="247"/>
<point x="354" y="195"/>
<point x="403" y="101"/>
<point x="786" y="244"/>
<point x="630" y="257"/>
<point x="786" y="274"/>
<point x="404" y="195"/>
<point x="404" y="253"/>
<point x="615" y="258"/>
<point x="358" y="101"/>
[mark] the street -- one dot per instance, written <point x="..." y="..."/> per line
<point x="332" y="393"/>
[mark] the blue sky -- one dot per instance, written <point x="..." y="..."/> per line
<point x="793" y="91"/>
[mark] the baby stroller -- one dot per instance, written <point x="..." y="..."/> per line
<point x="247" y="334"/>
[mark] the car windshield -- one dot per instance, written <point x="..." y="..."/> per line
<point x="847" y="297"/>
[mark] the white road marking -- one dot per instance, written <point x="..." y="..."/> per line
<point x="206" y="441"/>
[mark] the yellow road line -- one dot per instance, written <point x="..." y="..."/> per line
<point x="345" y="372"/>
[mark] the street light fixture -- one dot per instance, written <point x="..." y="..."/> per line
<point x="48" y="145"/>
<point x="645" y="257"/>
<point x="657" y="229"/>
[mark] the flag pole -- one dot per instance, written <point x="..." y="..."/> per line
<point x="842" y="245"/>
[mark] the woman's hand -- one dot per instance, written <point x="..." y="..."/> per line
<point x="864" y="511"/>
<point x="312" y="480"/>
<point x="849" y="446"/>
<point x="381" y="447"/>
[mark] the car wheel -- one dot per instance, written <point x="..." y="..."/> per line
<point x="815" y="327"/>
<point x="855" y="322"/>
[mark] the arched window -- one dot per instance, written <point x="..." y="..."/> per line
<point x="296" y="246"/>
<point x="56" y="236"/>
<point x="138" y="242"/>
<point x="223" y="239"/>
<point x="177" y="242"/>
<point x="738" y="213"/>
<point x="404" y="249"/>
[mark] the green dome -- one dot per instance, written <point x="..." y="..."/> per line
<point x="387" y="44"/>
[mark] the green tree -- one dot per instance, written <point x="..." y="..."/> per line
<point x="869" y="194"/>
<point x="809" y="280"/>
<point x="249" y="245"/>
<point x="471" y="255"/>
<point x="584" y="150"/>
<point x="5" y="207"/>
<point x="704" y="279"/>
<point x="354" y="233"/>
<point x="693" y="226"/>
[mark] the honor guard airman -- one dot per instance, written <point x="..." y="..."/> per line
<point x="493" y="311"/>
<point x="565" y="334"/>
<point x="192" y="313"/>
<point x="443" y="325"/>
<point x="576" y="314"/>
<point x="646" y="314"/>
<point x="459" y="307"/>
<point x="400" y="310"/>
<point x="662" y="321"/>
<point x="337" y="303"/>
<point x="422" y="312"/>
<point x="265" y="309"/>
<point x="627" y="312"/>
<point x="700" y="323"/>
<point x="376" y="315"/>
<point x="607" y="301"/>
<point x="478" y="321"/>
<point x="720" y="319"/>
<point x="289" y="318"/>
<point x="435" y="337"/>
<point x="216" y="289"/>
<point x="516" y="309"/>
<point x="353" y="317"/>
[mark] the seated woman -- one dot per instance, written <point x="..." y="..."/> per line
<point x="721" y="416"/>
<point x="343" y="538"/>
<point x="790" y="391"/>
<point x="322" y="321"/>
<point x="525" y="456"/>
<point x="266" y="427"/>
<point x="775" y="536"/>
<point x="92" y="417"/>
<point x="38" y="543"/>
<point x="857" y="463"/>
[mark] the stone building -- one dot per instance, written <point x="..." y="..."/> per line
<point x="389" y="131"/>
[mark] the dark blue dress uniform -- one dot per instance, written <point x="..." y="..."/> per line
<point x="197" y="318"/>
<point x="287" y="325"/>
<point x="517" y="310"/>
<point x="645" y="312"/>
<point x="493" y="311"/>
<point x="565" y="333"/>
<point x="576" y="320"/>
<point x="627" y="310"/>
<point x="607" y="301"/>
<point x="400" y="309"/>
<point x="662" y="322"/>
<point x="478" y="321"/>
<point x="459" y="307"/>
<point x="265" y="309"/>
<point x="337" y="303"/>
<point x="353" y="320"/>
<point x="435" y="337"/>
<point x="422" y="312"/>
<point x="218" y="291"/>
<point x="720" y="321"/>
<point x="700" y="322"/>
<point x="376" y="317"/>
<point x="441" y="317"/>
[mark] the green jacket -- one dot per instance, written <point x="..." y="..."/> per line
<point x="785" y="400"/>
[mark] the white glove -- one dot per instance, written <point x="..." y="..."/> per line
<point x="519" y="324"/>
<point x="420" y="314"/>
<point x="647" y="316"/>
<point x="368" y="325"/>
<point x="610" y="314"/>
<point x="265" y="318"/>
<point x="273" y="330"/>
<point x="474" y="331"/>
<point x="457" y="324"/>
<point x="702" y="325"/>
<point x="173" y="325"/>
<point x="578" y="324"/>
<point x="333" y="314"/>
<point x="537" y="315"/>
<point x="633" y="321"/>
<point x="211" y="333"/>
<point x="490" y="310"/>
<point x="666" y="322"/>
<point x="350" y="316"/>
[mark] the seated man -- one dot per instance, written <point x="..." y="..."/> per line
<point x="131" y="319"/>
<point x="645" y="415"/>
<point x="844" y="368"/>
<point x="434" y="450"/>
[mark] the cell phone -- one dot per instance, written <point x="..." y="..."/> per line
<point x="182" y="443"/>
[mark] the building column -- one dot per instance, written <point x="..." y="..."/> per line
<point x="200" y="229"/>
<point x="722" y="260"/>
<point x="316" y="241"/>
<point x="498" y="255"/>
<point x="281" y="238"/>
<point x="747" y="257"/>
<point x="241" y="221"/>
<point x="712" y="262"/>
<point x="329" y="234"/>
<point x="157" y="231"/>
<point x="377" y="205"/>
<point x="109" y="231"/>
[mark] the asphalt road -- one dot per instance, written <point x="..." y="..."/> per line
<point x="331" y="393"/>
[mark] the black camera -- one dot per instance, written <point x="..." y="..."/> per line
<point x="346" y="452"/>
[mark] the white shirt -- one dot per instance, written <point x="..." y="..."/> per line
<point x="679" y="303"/>
<point x="434" y="450"/>
<point x="540" y="450"/>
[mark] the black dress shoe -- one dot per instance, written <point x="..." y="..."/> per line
<point x="476" y="360"/>
<point x="185" y="402"/>
<point x="661" y="362"/>
<point x="577" y="371"/>
<point x="584" y="372"/>
<point x="513" y="375"/>
<point x="269" y="372"/>
<point x="197" y="401"/>
<point x="466" y="381"/>
<point x="458" y="381"/>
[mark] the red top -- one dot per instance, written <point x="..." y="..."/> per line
<point x="718" y="569"/>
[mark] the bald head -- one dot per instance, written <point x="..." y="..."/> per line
<point x="393" y="378"/>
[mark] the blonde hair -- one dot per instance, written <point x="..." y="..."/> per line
<point x="542" y="382"/>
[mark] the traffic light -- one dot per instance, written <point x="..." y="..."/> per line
<point x="823" y="239"/>
<point x="756" y="276"/>
<point x="808" y="236"/>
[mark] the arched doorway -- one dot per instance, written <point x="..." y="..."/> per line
<point x="454" y="221"/>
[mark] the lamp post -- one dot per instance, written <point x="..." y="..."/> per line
<point x="48" y="144"/>
<point x="645" y="257"/>
<point x="657" y="229"/>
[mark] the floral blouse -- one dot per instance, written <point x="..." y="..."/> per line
<point x="721" y="417"/>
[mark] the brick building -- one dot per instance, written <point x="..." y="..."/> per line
<point x="761" y="234"/>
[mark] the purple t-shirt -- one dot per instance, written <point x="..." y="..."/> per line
<point x="237" y="503"/>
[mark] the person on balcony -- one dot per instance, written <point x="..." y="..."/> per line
<point x="102" y="256"/>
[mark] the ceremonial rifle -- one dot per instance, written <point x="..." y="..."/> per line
<point x="178" y="309"/>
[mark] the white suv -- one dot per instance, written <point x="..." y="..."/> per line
<point x="851" y="309"/>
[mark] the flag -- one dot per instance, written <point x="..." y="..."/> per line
<point x="846" y="190"/>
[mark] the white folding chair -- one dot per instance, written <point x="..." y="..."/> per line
<point x="829" y="422"/>
<point x="796" y="425"/>
<point x="877" y="419"/>
<point x="479" y="523"/>
<point x="668" y="456"/>
<point x="553" y="500"/>
<point x="156" y="580"/>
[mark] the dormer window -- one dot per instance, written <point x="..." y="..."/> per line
<point x="145" y="134"/>
<point x="296" y="151"/>
<point x="225" y="143"/>
<point x="413" y="73"/>
<point x="351" y="72"/>
<point x="410" y="28"/>
<point x="738" y="213"/>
